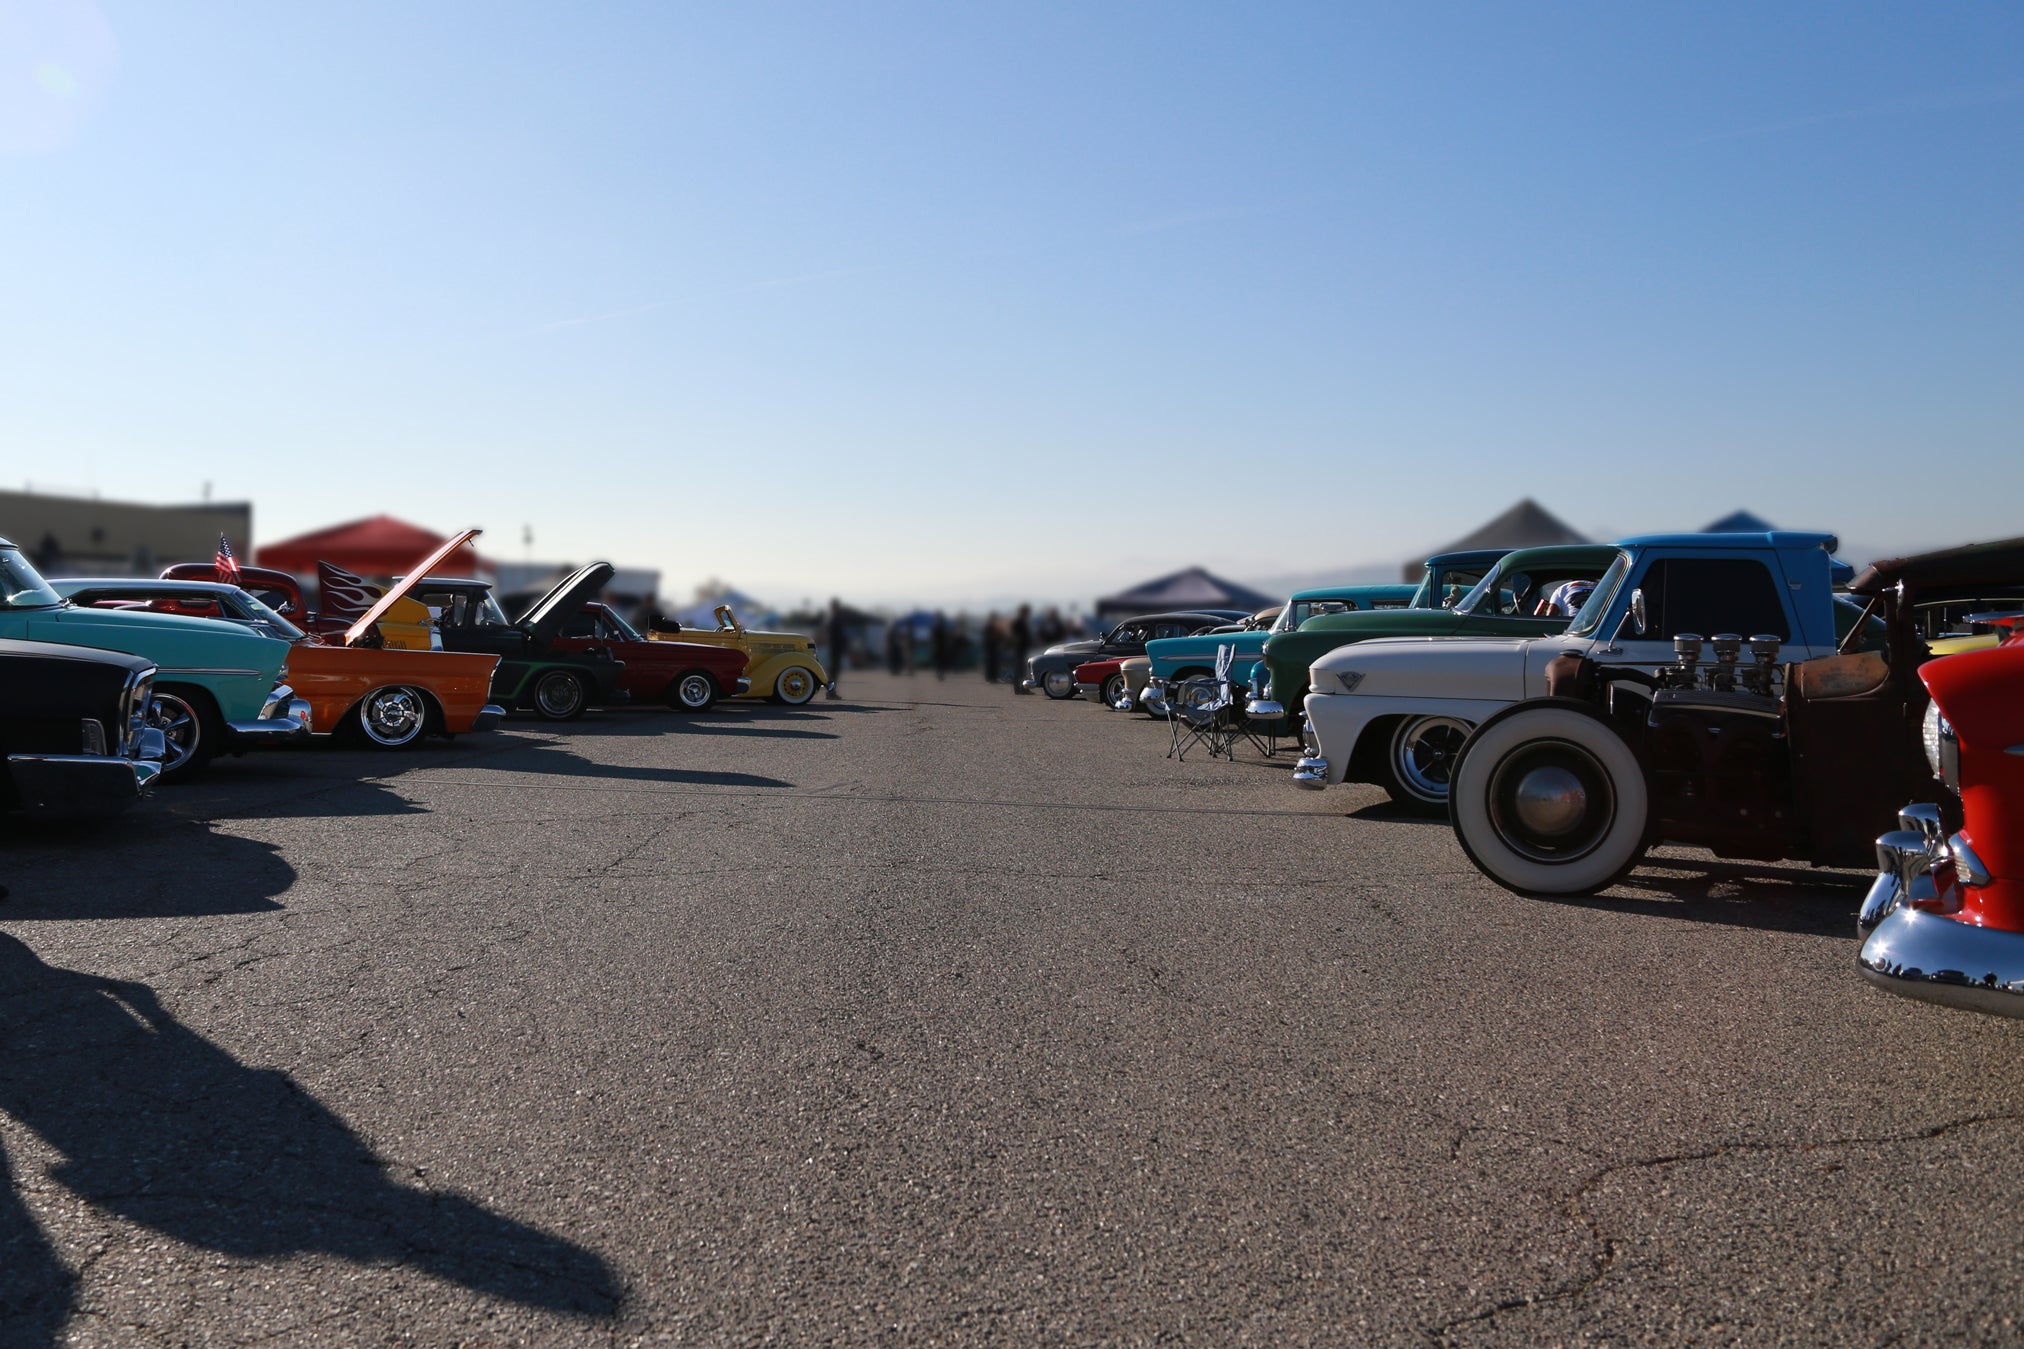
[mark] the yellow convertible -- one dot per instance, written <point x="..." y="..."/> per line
<point x="781" y="665"/>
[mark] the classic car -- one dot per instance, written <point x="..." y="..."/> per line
<point x="1177" y="658"/>
<point x="687" y="676"/>
<point x="781" y="666"/>
<point x="1053" y="670"/>
<point x="533" y="672"/>
<point x="1944" y="920"/>
<point x="384" y="697"/>
<point x="406" y="626"/>
<point x="73" y="730"/>
<point x="1727" y="746"/>
<point x="219" y="689"/>
<point x="1505" y="599"/>
<point x="1101" y="681"/>
<point x="1395" y="711"/>
<point x="1445" y="581"/>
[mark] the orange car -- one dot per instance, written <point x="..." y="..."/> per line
<point x="387" y="698"/>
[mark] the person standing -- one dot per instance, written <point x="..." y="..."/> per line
<point x="1022" y="643"/>
<point x="994" y="647"/>
<point x="838" y="641"/>
<point x="893" y="647"/>
<point x="938" y="644"/>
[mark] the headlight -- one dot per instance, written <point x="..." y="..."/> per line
<point x="1943" y="747"/>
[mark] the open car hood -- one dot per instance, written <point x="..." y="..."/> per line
<point x="544" y="618"/>
<point x="400" y="590"/>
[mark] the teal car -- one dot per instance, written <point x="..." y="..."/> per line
<point x="1177" y="658"/>
<point x="219" y="688"/>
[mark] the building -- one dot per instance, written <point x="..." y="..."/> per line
<point x="84" y="536"/>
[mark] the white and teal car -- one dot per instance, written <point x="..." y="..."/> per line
<point x="218" y="688"/>
<point x="1177" y="658"/>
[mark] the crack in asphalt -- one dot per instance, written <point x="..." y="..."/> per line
<point x="1608" y="1247"/>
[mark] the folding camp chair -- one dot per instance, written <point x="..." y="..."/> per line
<point x="1203" y="711"/>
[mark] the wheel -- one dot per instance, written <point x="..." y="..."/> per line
<point x="1419" y="760"/>
<point x="1548" y="800"/>
<point x="190" y="724"/>
<point x="1114" y="691"/>
<point x="560" y="695"/>
<point x="393" y="717"/>
<point x="1058" y="684"/>
<point x="692" y="692"/>
<point x="795" y="686"/>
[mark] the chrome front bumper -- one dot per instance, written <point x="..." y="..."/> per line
<point x="741" y="685"/>
<point x="79" y="786"/>
<point x="1934" y="958"/>
<point x="1311" y="772"/>
<point x="490" y="715"/>
<point x="1091" y="692"/>
<point x="1912" y="946"/>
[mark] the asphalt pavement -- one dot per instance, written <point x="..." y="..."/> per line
<point x="939" y="1015"/>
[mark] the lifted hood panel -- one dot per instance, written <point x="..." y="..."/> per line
<point x="544" y="618"/>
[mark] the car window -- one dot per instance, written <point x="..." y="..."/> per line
<point x="1707" y="595"/>
<point x="580" y="625"/>
<point x="1128" y="634"/>
<point x="21" y="586"/>
<point x="1174" y="629"/>
<point x="1590" y="618"/>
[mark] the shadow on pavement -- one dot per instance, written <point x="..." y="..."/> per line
<point x="135" y="867"/>
<point x="551" y="758"/>
<point x="166" y="1130"/>
<point x="1777" y="899"/>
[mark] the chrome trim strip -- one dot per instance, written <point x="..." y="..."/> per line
<point x="1941" y="960"/>
<point x="204" y="670"/>
<point x="2015" y="749"/>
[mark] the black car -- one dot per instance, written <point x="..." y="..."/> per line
<point x="73" y="728"/>
<point x="1053" y="670"/>
<point x="557" y="685"/>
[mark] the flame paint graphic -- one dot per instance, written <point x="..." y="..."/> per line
<point x="343" y="594"/>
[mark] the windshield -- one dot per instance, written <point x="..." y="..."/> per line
<point x="1492" y="581"/>
<point x="490" y="615"/>
<point x="621" y="627"/>
<point x="1590" y="618"/>
<point x="260" y="613"/>
<point x="21" y="586"/>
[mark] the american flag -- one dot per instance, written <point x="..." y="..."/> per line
<point x="227" y="565"/>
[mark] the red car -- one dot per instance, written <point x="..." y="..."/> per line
<point x="1101" y="681"/>
<point x="1945" y="917"/>
<point x="687" y="676"/>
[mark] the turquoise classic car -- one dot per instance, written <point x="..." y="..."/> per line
<point x="1177" y="658"/>
<point x="219" y="688"/>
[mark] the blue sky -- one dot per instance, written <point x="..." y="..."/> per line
<point x="943" y="302"/>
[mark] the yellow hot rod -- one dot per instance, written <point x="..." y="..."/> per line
<point x="781" y="665"/>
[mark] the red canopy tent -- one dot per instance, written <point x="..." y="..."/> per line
<point x="380" y="546"/>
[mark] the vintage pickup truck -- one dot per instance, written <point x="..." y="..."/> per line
<point x="1515" y="597"/>
<point x="1762" y="584"/>
<point x="1732" y="748"/>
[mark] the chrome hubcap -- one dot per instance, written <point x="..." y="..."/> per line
<point x="1427" y="751"/>
<point x="796" y="685"/>
<point x="557" y="694"/>
<point x="695" y="691"/>
<point x="179" y="727"/>
<point x="393" y="716"/>
<point x="1550" y="802"/>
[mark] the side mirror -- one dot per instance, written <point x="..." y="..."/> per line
<point x="1636" y="613"/>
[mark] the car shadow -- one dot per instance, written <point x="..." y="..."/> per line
<point x="163" y="1128"/>
<point x="1779" y="899"/>
<point x="553" y="758"/>
<point x="146" y="866"/>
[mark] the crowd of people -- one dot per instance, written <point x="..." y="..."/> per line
<point x="997" y="647"/>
